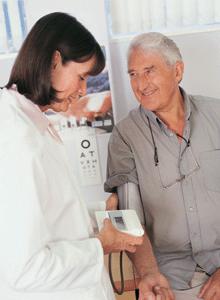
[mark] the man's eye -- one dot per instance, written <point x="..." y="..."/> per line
<point x="81" y="78"/>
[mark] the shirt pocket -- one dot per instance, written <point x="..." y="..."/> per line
<point x="210" y="167"/>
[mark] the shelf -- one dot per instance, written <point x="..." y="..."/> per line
<point x="169" y="32"/>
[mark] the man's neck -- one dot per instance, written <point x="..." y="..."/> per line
<point x="175" y="117"/>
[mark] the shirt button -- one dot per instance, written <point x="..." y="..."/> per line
<point x="123" y="178"/>
<point x="171" y="134"/>
<point x="186" y="182"/>
<point x="194" y="235"/>
<point x="191" y="209"/>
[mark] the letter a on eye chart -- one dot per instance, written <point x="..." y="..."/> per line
<point x="88" y="157"/>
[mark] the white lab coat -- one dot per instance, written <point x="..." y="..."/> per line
<point x="47" y="248"/>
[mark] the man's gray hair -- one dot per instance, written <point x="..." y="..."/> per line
<point x="156" y="42"/>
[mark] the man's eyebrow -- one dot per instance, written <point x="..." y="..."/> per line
<point x="149" y="68"/>
<point x="130" y="71"/>
<point x="145" y="69"/>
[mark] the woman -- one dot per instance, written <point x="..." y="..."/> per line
<point x="48" y="249"/>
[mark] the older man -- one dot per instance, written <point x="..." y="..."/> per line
<point x="169" y="147"/>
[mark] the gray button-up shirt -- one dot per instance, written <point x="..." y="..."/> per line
<point x="182" y="221"/>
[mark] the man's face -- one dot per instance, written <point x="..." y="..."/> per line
<point x="154" y="84"/>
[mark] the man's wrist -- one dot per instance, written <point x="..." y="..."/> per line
<point x="151" y="272"/>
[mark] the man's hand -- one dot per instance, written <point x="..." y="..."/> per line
<point x="114" y="241"/>
<point x="112" y="202"/>
<point x="154" y="286"/>
<point x="211" y="289"/>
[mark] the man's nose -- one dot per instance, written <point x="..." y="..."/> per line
<point x="143" y="82"/>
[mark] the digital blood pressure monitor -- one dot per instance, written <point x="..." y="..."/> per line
<point x="124" y="220"/>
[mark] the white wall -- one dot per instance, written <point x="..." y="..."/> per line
<point x="200" y="51"/>
<point x="90" y="13"/>
<point x="201" y="55"/>
<point x="6" y="63"/>
<point x="90" y="192"/>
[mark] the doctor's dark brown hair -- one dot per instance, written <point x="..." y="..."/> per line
<point x="32" y="68"/>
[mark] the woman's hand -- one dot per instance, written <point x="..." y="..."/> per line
<point x="114" y="241"/>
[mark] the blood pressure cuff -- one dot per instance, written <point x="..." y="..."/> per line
<point x="114" y="181"/>
<point x="129" y="198"/>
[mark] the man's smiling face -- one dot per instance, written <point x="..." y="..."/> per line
<point x="154" y="83"/>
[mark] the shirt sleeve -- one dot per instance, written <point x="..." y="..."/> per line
<point x="30" y="259"/>
<point x="121" y="166"/>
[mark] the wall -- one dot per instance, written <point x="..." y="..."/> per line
<point x="90" y="13"/>
<point x="200" y="51"/>
<point x="201" y="55"/>
<point x="6" y="63"/>
<point x="92" y="16"/>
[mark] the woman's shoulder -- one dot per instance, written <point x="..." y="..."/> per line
<point x="15" y="127"/>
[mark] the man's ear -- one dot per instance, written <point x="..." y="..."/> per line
<point x="179" y="69"/>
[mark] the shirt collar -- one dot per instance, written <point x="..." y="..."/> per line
<point x="31" y="110"/>
<point x="188" y="110"/>
<point x="156" y="120"/>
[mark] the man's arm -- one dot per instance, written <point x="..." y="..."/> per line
<point x="121" y="168"/>
<point x="153" y="284"/>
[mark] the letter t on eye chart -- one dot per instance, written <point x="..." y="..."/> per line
<point x="88" y="157"/>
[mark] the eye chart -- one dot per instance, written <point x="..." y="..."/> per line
<point x="88" y="157"/>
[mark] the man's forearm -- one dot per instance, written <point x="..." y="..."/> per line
<point x="153" y="284"/>
<point x="143" y="259"/>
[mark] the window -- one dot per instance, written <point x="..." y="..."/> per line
<point x="13" y="29"/>
<point x="135" y="16"/>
